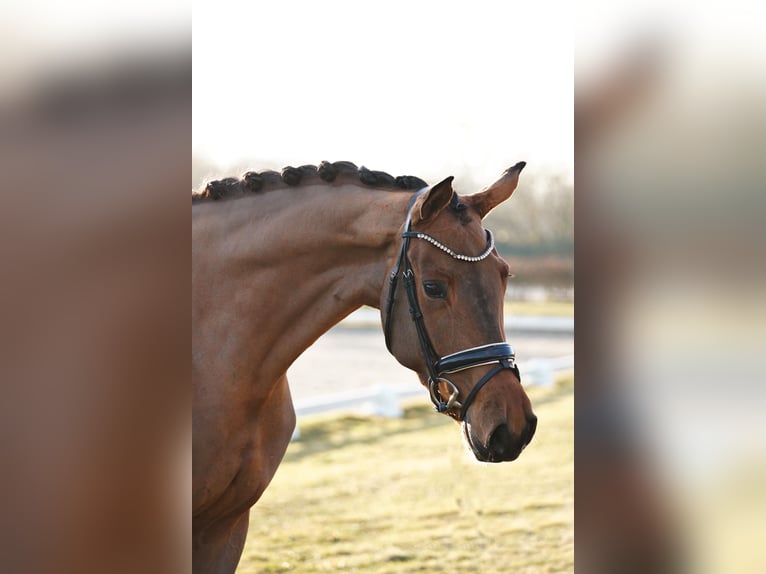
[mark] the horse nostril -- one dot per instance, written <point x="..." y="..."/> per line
<point x="500" y="441"/>
<point x="504" y="445"/>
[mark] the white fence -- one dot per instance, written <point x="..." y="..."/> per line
<point x="367" y="316"/>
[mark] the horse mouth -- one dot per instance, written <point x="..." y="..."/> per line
<point x="479" y="450"/>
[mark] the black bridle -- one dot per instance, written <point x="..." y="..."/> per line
<point x="500" y="353"/>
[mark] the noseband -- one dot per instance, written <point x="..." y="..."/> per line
<point x="500" y="353"/>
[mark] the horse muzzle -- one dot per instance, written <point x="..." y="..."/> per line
<point x="502" y="445"/>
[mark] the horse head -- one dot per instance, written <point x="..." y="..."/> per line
<point x="449" y="326"/>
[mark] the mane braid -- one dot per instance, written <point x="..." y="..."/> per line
<point x="255" y="182"/>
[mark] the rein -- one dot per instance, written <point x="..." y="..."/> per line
<point x="500" y="353"/>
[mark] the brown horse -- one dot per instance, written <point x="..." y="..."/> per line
<point x="278" y="259"/>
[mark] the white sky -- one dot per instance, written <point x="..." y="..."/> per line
<point x="421" y="87"/>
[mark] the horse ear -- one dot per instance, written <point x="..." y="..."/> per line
<point x="430" y="204"/>
<point x="490" y="197"/>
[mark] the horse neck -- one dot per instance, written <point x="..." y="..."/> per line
<point x="295" y="262"/>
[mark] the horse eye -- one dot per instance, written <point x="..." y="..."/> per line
<point x="435" y="289"/>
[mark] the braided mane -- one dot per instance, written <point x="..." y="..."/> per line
<point x="253" y="182"/>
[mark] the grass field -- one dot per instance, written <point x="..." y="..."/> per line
<point x="383" y="496"/>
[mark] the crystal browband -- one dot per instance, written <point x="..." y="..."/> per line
<point x="459" y="256"/>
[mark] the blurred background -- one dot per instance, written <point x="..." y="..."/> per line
<point x="670" y="433"/>
<point x="95" y="122"/>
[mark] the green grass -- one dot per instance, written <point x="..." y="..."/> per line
<point x="376" y="495"/>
